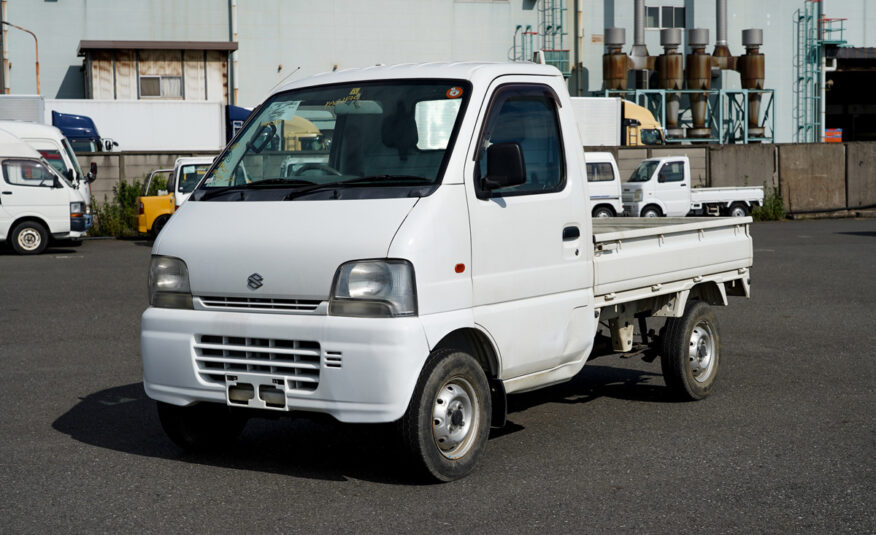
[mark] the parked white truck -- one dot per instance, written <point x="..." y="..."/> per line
<point x="604" y="184"/>
<point x="440" y="256"/>
<point x="662" y="187"/>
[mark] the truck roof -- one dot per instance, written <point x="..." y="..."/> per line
<point x="473" y="71"/>
<point x="13" y="147"/>
<point x="186" y="160"/>
<point x="27" y="129"/>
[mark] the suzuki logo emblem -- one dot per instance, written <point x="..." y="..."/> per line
<point x="255" y="281"/>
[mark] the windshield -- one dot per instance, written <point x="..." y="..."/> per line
<point x="651" y="136"/>
<point x="72" y="157"/>
<point x="54" y="159"/>
<point x="387" y="135"/>
<point x="190" y="175"/>
<point x="644" y="171"/>
<point x="84" y="145"/>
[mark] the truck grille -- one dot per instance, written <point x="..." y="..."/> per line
<point x="297" y="361"/>
<point x="273" y="305"/>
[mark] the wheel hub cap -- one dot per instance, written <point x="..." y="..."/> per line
<point x="29" y="239"/>
<point x="701" y="357"/>
<point x="454" y="418"/>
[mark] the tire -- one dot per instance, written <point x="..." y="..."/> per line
<point x="603" y="211"/>
<point x="651" y="211"/>
<point x="158" y="224"/>
<point x="446" y="426"/>
<point x="29" y="237"/>
<point x="738" y="209"/>
<point x="201" y="427"/>
<point x="691" y="352"/>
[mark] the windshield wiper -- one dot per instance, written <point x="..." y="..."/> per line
<point x="267" y="183"/>
<point x="355" y="181"/>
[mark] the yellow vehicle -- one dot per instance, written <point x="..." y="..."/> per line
<point x="155" y="210"/>
<point x="640" y="126"/>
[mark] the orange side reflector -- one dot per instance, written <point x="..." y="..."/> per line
<point x="460" y="268"/>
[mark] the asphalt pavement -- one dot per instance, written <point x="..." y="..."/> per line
<point x="785" y="443"/>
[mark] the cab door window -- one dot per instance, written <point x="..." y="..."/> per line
<point x="27" y="173"/>
<point x="526" y="115"/>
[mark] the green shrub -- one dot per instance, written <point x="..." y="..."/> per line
<point x="773" y="208"/>
<point x="118" y="217"/>
<point x="158" y="183"/>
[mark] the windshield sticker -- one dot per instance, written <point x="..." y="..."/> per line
<point x="454" y="92"/>
<point x="282" y="110"/>
<point x="355" y="94"/>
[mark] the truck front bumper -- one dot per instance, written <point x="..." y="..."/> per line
<point x="355" y="369"/>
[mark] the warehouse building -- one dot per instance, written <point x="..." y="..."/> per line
<point x="237" y="51"/>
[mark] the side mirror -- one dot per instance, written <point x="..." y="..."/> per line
<point x="108" y="144"/>
<point x="55" y="182"/>
<point x="69" y="174"/>
<point x="92" y="173"/>
<point x="505" y="166"/>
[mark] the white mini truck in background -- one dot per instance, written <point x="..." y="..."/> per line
<point x="662" y="187"/>
<point x="433" y="252"/>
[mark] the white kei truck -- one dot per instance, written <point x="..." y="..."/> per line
<point x="662" y="187"/>
<point x="439" y="257"/>
<point x="37" y="203"/>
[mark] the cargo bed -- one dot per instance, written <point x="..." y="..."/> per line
<point x="636" y="258"/>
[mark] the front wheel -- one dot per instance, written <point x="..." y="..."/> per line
<point x="158" y="224"/>
<point x="447" y="423"/>
<point x="691" y="352"/>
<point x="201" y="427"/>
<point x="29" y="237"/>
<point x="603" y="211"/>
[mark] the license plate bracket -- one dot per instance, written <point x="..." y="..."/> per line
<point x="256" y="391"/>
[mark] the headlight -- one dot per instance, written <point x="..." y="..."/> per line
<point x="77" y="209"/>
<point x="169" y="283"/>
<point x="374" y="289"/>
<point x="637" y="196"/>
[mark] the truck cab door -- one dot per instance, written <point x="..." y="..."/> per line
<point x="673" y="189"/>
<point x="531" y="243"/>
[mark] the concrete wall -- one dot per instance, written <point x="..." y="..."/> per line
<point x="812" y="176"/>
<point x="820" y="177"/>
<point x="861" y="174"/>
<point x="743" y="165"/>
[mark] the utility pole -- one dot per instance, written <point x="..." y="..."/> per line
<point x="36" y="49"/>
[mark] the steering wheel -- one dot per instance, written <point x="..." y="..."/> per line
<point x="317" y="166"/>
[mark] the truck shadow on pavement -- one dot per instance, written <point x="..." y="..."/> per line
<point x="123" y="419"/>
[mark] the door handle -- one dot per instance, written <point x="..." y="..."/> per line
<point x="571" y="233"/>
<point x="6" y="192"/>
<point x="682" y="185"/>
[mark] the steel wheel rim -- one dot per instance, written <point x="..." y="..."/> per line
<point x="650" y="213"/>
<point x="702" y="352"/>
<point x="455" y="419"/>
<point x="603" y="213"/>
<point x="737" y="212"/>
<point x="29" y="239"/>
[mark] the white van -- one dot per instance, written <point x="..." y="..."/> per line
<point x="37" y="203"/>
<point x="604" y="181"/>
<point x="56" y="149"/>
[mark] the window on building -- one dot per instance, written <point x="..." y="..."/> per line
<point x="664" y="17"/>
<point x="161" y="87"/>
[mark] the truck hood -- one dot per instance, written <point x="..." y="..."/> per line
<point x="294" y="246"/>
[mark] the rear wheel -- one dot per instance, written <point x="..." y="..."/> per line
<point x="158" y="224"/>
<point x="738" y="210"/>
<point x="446" y="426"/>
<point x="29" y="237"/>
<point x="651" y="211"/>
<point x="691" y="352"/>
<point x="201" y="427"/>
